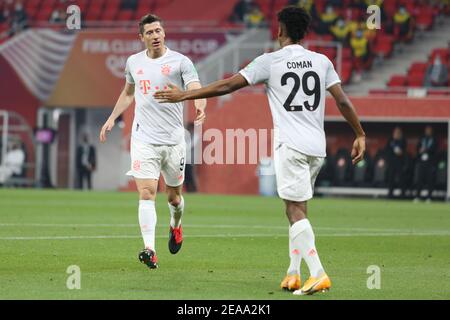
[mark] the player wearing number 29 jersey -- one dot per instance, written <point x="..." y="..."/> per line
<point x="297" y="80"/>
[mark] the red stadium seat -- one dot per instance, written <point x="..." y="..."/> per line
<point x="32" y="5"/>
<point x="97" y="5"/>
<point x="311" y="36"/>
<point x="390" y="7"/>
<point x="145" y="5"/>
<point x="397" y="81"/>
<point x="31" y="11"/>
<point x="418" y="66"/>
<point x="110" y="14"/>
<point x="48" y="4"/>
<point x="3" y="27"/>
<point x="112" y="4"/>
<point x="415" y="80"/>
<point x="329" y="52"/>
<point x="159" y="4"/>
<point x="442" y="52"/>
<point x="347" y="69"/>
<point x="125" y="15"/>
<point x="384" y="45"/>
<point x="425" y="19"/>
<point x="93" y="14"/>
<point x="347" y="53"/>
<point x="44" y="14"/>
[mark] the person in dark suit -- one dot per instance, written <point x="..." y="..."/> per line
<point x="396" y="151"/>
<point x="425" y="162"/>
<point x="86" y="162"/>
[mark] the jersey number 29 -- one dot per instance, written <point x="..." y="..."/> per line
<point x="309" y="92"/>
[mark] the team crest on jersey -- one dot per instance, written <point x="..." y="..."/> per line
<point x="165" y="69"/>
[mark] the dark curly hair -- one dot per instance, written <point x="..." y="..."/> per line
<point x="296" y="22"/>
<point x="147" y="19"/>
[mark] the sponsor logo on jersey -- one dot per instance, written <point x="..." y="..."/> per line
<point x="144" y="85"/>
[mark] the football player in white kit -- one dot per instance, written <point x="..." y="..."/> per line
<point x="296" y="81"/>
<point x="157" y="140"/>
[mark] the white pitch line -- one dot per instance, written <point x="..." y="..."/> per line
<point x="229" y="236"/>
<point x="218" y="226"/>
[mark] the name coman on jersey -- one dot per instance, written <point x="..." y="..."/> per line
<point x="296" y="80"/>
<point x="156" y="123"/>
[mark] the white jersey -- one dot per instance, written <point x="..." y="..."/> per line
<point x="156" y="123"/>
<point x="296" y="81"/>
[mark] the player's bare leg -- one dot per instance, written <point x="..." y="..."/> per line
<point x="147" y="220"/>
<point x="176" y="208"/>
<point x="302" y="245"/>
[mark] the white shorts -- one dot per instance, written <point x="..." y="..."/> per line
<point x="295" y="173"/>
<point x="148" y="161"/>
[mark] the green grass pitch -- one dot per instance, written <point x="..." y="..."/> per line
<point x="234" y="247"/>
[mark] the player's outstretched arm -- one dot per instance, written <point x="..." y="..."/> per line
<point x="218" y="88"/>
<point x="199" y="104"/>
<point x="346" y="108"/>
<point x="125" y="99"/>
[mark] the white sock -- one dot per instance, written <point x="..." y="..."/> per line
<point x="302" y="237"/>
<point x="147" y="221"/>
<point x="296" y="258"/>
<point x="176" y="213"/>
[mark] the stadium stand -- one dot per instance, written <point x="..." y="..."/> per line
<point x="333" y="33"/>
<point x="417" y="72"/>
<point x="333" y="21"/>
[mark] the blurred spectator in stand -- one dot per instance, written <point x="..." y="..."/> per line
<point x="359" y="4"/>
<point x="396" y="151"/>
<point x="327" y="19"/>
<point x="335" y="3"/>
<point x="437" y="74"/>
<point x="19" y="19"/>
<point x="378" y="3"/>
<point x="58" y="16"/>
<point x="425" y="163"/>
<point x="341" y="31"/>
<point x="241" y="8"/>
<point x="403" y="25"/>
<point x="255" y="18"/>
<point x="191" y="145"/>
<point x="443" y="7"/>
<point x="361" y="52"/>
<point x="86" y="162"/>
<point x="351" y="20"/>
<point x="129" y="4"/>
<point x="14" y="162"/>
<point x="308" y="5"/>
<point x="5" y="15"/>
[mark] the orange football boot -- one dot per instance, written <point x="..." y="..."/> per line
<point x="313" y="285"/>
<point x="291" y="282"/>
